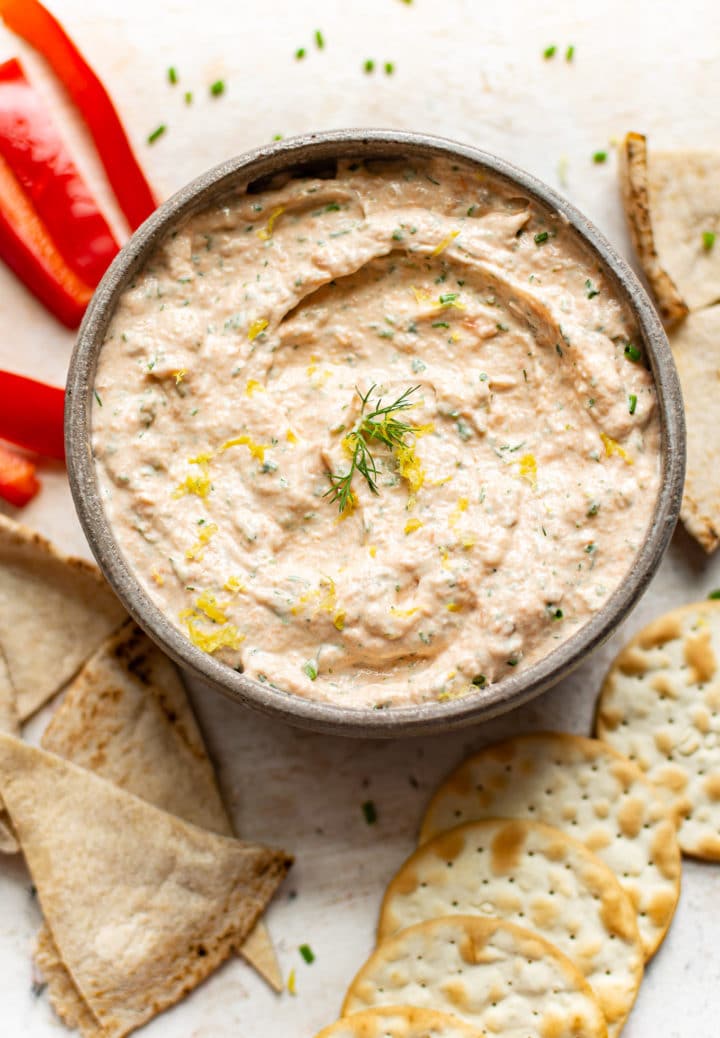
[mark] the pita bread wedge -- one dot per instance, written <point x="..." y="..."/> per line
<point x="400" y="1022"/>
<point x="640" y="215"/>
<point x="141" y="905"/>
<point x="8" y="723"/>
<point x="54" y="612"/>
<point x="499" y="977"/>
<point x="126" y="716"/>
<point x="696" y="349"/>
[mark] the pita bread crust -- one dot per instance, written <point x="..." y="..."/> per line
<point x="639" y="213"/>
<point x="141" y="905"/>
<point x="8" y="723"/>
<point x="127" y="717"/>
<point x="54" y="612"/>
<point x="696" y="349"/>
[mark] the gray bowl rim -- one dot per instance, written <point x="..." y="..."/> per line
<point x="506" y="694"/>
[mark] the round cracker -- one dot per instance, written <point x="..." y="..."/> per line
<point x="497" y="976"/>
<point x="587" y="788"/>
<point x="536" y="876"/>
<point x="660" y="705"/>
<point x="400" y="1022"/>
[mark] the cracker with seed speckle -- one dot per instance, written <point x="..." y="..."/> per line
<point x="538" y="877"/>
<point x="593" y="792"/>
<point x="499" y="977"/>
<point x="660" y="705"/>
<point x="400" y="1022"/>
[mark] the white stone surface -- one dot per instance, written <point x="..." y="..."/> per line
<point x="466" y="69"/>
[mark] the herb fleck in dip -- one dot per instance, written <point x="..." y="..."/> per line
<point x="378" y="439"/>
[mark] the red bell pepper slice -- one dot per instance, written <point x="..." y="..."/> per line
<point x="18" y="483"/>
<point x="34" y="150"/>
<point x="28" y="250"/>
<point x="30" y="20"/>
<point x="31" y="415"/>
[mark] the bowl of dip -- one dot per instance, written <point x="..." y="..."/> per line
<point x="374" y="432"/>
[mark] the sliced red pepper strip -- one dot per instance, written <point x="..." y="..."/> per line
<point x="28" y="250"/>
<point x="34" y="150"/>
<point x="18" y="482"/>
<point x="31" y="415"/>
<point x="30" y="20"/>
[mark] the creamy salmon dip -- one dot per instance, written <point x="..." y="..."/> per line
<point x="376" y="439"/>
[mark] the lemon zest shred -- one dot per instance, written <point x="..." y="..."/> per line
<point x="613" y="447"/>
<point x="207" y="603"/>
<point x="410" y="466"/>
<point x="198" y="549"/>
<point x="441" y="482"/>
<point x="256" y="327"/>
<point x="256" y="449"/>
<point x="452" y="607"/>
<point x="253" y="386"/>
<point x="460" y="507"/>
<point x="233" y="584"/>
<point x="528" y="469"/>
<point x="198" y="485"/>
<point x="179" y="375"/>
<point x="266" y="232"/>
<point x="404" y="612"/>
<point x="444" y="243"/>
<point x="421" y="296"/>
<point x="372" y="551"/>
<point x="339" y="620"/>
<point x="291" y="983"/>
<point x="291" y="437"/>
<point x="226" y="636"/>
<point x="157" y="576"/>
<point x="468" y="543"/>
<point x="412" y="525"/>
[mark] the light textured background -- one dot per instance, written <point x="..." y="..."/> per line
<point x="466" y="69"/>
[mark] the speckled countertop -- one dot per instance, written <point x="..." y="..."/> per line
<point x="469" y="70"/>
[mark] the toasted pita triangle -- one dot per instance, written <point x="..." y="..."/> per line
<point x="142" y="906"/>
<point x="696" y="349"/>
<point x="54" y="612"/>
<point x="126" y="717"/>
<point x="8" y="723"/>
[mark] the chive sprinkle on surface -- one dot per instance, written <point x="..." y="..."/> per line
<point x="172" y="75"/>
<point x="708" y="240"/>
<point x="599" y="157"/>
<point x="307" y="953"/>
<point x="632" y="352"/>
<point x="541" y="237"/>
<point x="369" y="66"/>
<point x="310" y="669"/>
<point x="370" y="812"/>
<point x="157" y="133"/>
<point x="570" y="52"/>
<point x="188" y="97"/>
<point x="632" y="403"/>
<point x="217" y="88"/>
<point x="300" y="53"/>
<point x="714" y="594"/>
<point x="389" y="68"/>
<point x="550" y="52"/>
<point x="319" y="40"/>
<point x="97" y="397"/>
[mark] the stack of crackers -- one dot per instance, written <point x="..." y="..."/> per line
<point x="672" y="204"/>
<point x="548" y="867"/>
<point x="144" y="888"/>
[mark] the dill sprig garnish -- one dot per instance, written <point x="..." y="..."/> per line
<point x="379" y="424"/>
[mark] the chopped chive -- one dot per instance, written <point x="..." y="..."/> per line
<point x="97" y="397"/>
<point x="300" y="53"/>
<point x="217" y="88"/>
<point x="479" y="680"/>
<point x="172" y="75"/>
<point x="590" y="548"/>
<point x="307" y="953"/>
<point x="714" y="594"/>
<point x="440" y="324"/>
<point x="513" y="661"/>
<point x="570" y="53"/>
<point x="389" y="68"/>
<point x="550" y="52"/>
<point x="542" y="237"/>
<point x="369" y="66"/>
<point x="188" y="97"/>
<point x="555" y="612"/>
<point x="370" y="812"/>
<point x="599" y="157"/>
<point x="593" y="509"/>
<point x="632" y="352"/>
<point x="448" y="297"/>
<point x="157" y="133"/>
<point x="277" y="136"/>
<point x="632" y="403"/>
<point x="708" y="240"/>
<point x="319" y="39"/>
<point x="591" y="290"/>
<point x="310" y="669"/>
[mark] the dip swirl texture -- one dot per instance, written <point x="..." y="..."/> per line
<point x="228" y="392"/>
